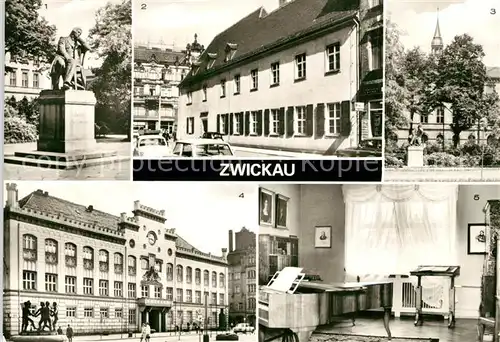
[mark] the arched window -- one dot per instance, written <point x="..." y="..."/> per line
<point x="214" y="279"/>
<point x="144" y="264"/>
<point x="88" y="258"/>
<point x="222" y="280"/>
<point x="132" y="265"/>
<point x="103" y="260"/>
<point x="189" y="275"/>
<point x="29" y="247"/>
<point x="51" y="251"/>
<point x="70" y="254"/>
<point x="118" y="263"/>
<point x="206" y="276"/>
<point x="170" y="272"/>
<point x="197" y="276"/>
<point x="180" y="275"/>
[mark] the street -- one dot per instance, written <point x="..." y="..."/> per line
<point x="163" y="337"/>
<point x="442" y="175"/>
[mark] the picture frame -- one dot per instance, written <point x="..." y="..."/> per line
<point x="476" y="238"/>
<point x="323" y="237"/>
<point x="266" y="207"/>
<point x="281" y="211"/>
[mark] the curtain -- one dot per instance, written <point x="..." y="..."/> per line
<point x="392" y="229"/>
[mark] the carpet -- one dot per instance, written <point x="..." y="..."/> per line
<point x="334" y="337"/>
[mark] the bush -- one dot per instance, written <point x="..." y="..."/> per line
<point x="433" y="147"/>
<point x="393" y="161"/>
<point x="442" y="159"/>
<point x="17" y="130"/>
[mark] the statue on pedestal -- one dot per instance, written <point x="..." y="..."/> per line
<point x="26" y="317"/>
<point x="68" y="62"/>
<point x="415" y="138"/>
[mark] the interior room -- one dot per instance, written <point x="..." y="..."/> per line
<point x="379" y="262"/>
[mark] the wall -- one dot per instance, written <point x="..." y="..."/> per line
<point x="291" y="191"/>
<point x="322" y="205"/>
<point x="470" y="211"/>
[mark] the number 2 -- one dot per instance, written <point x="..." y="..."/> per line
<point x="493" y="11"/>
<point x="144" y="6"/>
<point x="242" y="195"/>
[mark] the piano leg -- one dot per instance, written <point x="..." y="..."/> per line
<point x="418" y="315"/>
<point x="451" y="317"/>
<point x="387" y="317"/>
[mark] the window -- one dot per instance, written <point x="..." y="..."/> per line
<point x="223" y="88"/>
<point x="131" y="290"/>
<point x="190" y="125"/>
<point x="300" y="66"/>
<point x="50" y="252"/>
<point x="29" y="280"/>
<point x="158" y="265"/>
<point x="50" y="282"/>
<point x="88" y="258"/>
<point x="333" y="57"/>
<point x="131" y="316"/>
<point x="222" y="280"/>
<point x="24" y="79"/>
<point x="13" y="78"/>
<point x="253" y="123"/>
<point x="376" y="43"/>
<point x="36" y="80"/>
<point x="251" y="274"/>
<point x="170" y="272"/>
<point x="118" y="289"/>
<point x="222" y="124"/>
<point x="424" y="118"/>
<point x="157" y="292"/>
<point x="170" y="293"/>
<point x="206" y="275"/>
<point x="237" y="289"/>
<point x="198" y="297"/>
<point x="197" y="276"/>
<point x="88" y="312"/>
<point x="237" y="84"/>
<point x="70" y="254"/>
<point x="119" y="313"/>
<point x="144" y="264"/>
<point x="214" y="298"/>
<point x="70" y="311"/>
<point x="376" y="108"/>
<point x="221" y="299"/>
<point x="179" y="295"/>
<point x="118" y="263"/>
<point x="104" y="312"/>
<point x="333" y="119"/>
<point x="189" y="296"/>
<point x="189" y="275"/>
<point x="254" y="77"/>
<point x="103" y="288"/>
<point x="214" y="279"/>
<point x="274" y="122"/>
<point x="132" y="265"/>
<point x="275" y="73"/>
<point x="440" y="115"/>
<point x="251" y="288"/>
<point x="180" y="274"/>
<point x="251" y="303"/>
<point x="70" y="284"/>
<point x="300" y="121"/>
<point x="189" y="97"/>
<point x="144" y="291"/>
<point x="88" y="286"/>
<point x="237" y="276"/>
<point x="29" y="247"/>
<point x="204" y="90"/>
<point x="103" y="261"/>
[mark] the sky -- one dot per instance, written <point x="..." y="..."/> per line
<point x="202" y="213"/>
<point x="68" y="14"/>
<point x="174" y="22"/>
<point x="418" y="20"/>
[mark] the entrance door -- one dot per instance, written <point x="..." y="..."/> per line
<point x="153" y="317"/>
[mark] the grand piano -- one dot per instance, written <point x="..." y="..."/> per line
<point x="291" y="307"/>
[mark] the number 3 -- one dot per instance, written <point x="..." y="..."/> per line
<point x="493" y="11"/>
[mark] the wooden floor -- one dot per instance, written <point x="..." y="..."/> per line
<point x="464" y="331"/>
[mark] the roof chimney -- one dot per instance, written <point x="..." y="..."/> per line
<point x="224" y="252"/>
<point x="282" y="2"/>
<point x="123" y="217"/>
<point x="90" y="208"/>
<point x="12" y="196"/>
<point x="230" y="241"/>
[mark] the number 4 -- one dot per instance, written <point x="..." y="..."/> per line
<point x="242" y="195"/>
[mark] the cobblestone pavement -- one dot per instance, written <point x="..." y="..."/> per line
<point x="163" y="337"/>
<point x="443" y="175"/>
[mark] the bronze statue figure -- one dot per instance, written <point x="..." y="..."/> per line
<point x="68" y="62"/>
<point x="26" y="319"/>
<point x="415" y="138"/>
<point x="44" y="312"/>
<point x="54" y="313"/>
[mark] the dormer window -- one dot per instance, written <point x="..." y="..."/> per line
<point x="195" y="67"/>
<point x="211" y="60"/>
<point x="230" y="51"/>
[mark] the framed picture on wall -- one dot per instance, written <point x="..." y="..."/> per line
<point x="281" y="211"/>
<point x="323" y="237"/>
<point x="476" y="238"/>
<point x="266" y="207"/>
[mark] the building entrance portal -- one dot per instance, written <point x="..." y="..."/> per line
<point x="156" y="317"/>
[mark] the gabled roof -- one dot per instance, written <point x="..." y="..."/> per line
<point x="144" y="55"/>
<point x="259" y="31"/>
<point x="493" y="72"/>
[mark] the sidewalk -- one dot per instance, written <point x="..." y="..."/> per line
<point x="257" y="152"/>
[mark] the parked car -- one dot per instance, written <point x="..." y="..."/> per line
<point x="367" y="148"/>
<point x="151" y="146"/>
<point x="202" y="148"/>
<point x="212" y="135"/>
<point x="243" y="328"/>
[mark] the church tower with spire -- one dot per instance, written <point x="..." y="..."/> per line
<point x="437" y="41"/>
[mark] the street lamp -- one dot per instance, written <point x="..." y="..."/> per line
<point x="205" y="335"/>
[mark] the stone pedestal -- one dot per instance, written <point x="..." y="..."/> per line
<point x="415" y="156"/>
<point x="39" y="337"/>
<point x="66" y="121"/>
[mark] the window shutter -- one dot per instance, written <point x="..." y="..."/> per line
<point x="226" y="120"/>
<point x="247" y="122"/>
<point x="345" y="118"/>
<point x="320" y="120"/>
<point x="187" y="126"/>
<point x="266" y="122"/>
<point x="281" y="117"/>
<point x="259" y="123"/>
<point x="309" y="120"/>
<point x="231" y="122"/>
<point x="218" y="123"/>
<point x="289" y="122"/>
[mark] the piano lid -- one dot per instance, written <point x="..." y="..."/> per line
<point x="284" y="280"/>
<point x="436" y="270"/>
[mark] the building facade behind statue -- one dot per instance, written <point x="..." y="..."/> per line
<point x="107" y="273"/>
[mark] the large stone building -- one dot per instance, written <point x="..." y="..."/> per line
<point x="106" y="273"/>
<point x="294" y="84"/>
<point x="242" y="277"/>
<point x="157" y="74"/>
<point x="24" y="79"/>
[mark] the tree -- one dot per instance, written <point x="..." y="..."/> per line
<point x="395" y="92"/>
<point x="461" y="81"/>
<point x="27" y="35"/>
<point x="111" y="37"/>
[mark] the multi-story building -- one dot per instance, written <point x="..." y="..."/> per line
<point x="242" y="277"/>
<point x="157" y="74"/>
<point x="24" y="79"/>
<point x="293" y="85"/>
<point x="436" y="124"/>
<point x="106" y="273"/>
